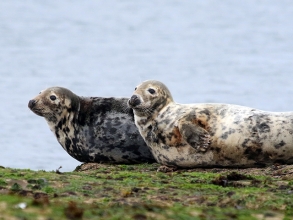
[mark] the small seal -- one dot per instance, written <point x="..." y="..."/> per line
<point x="210" y="135"/>
<point x="92" y="129"/>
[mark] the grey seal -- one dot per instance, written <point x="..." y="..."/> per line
<point x="210" y="134"/>
<point x="92" y="129"/>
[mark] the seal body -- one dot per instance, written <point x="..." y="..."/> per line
<point x="210" y="135"/>
<point x="92" y="129"/>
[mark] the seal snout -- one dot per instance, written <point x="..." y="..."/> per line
<point x="134" y="101"/>
<point x="32" y="103"/>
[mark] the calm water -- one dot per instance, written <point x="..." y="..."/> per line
<point x="204" y="51"/>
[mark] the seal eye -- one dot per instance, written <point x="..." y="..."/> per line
<point x="52" y="97"/>
<point x="135" y="88"/>
<point x="152" y="91"/>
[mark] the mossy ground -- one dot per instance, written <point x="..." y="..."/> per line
<point x="98" y="191"/>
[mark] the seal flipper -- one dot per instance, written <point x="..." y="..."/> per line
<point x="195" y="136"/>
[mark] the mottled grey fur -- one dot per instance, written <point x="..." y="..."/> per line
<point x="92" y="129"/>
<point x="210" y="135"/>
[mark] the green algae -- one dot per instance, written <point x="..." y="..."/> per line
<point x="99" y="191"/>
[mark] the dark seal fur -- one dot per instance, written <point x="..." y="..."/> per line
<point x="92" y="129"/>
<point x="210" y="135"/>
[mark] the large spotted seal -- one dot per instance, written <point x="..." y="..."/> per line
<point x="92" y="129"/>
<point x="210" y="135"/>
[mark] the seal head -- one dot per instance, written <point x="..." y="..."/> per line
<point x="150" y="98"/>
<point x="55" y="103"/>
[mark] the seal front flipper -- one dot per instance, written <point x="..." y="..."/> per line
<point x="194" y="135"/>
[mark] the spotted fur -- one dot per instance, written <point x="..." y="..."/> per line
<point x="210" y="135"/>
<point x="92" y="129"/>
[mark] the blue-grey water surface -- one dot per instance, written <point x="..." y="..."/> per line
<point x="238" y="52"/>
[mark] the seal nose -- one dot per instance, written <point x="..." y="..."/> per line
<point x="31" y="103"/>
<point x="134" y="101"/>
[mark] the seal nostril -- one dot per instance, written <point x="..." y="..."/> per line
<point x="134" y="100"/>
<point x="31" y="103"/>
<point x="133" y="97"/>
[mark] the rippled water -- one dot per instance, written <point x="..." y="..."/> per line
<point x="204" y="51"/>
